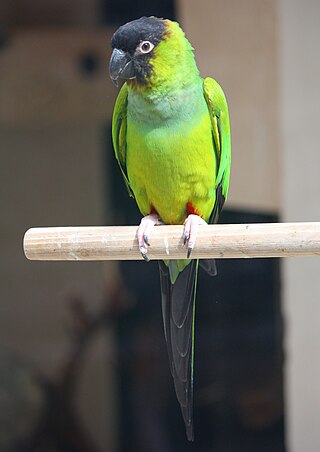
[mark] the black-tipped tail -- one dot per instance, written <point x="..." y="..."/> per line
<point x="178" y="309"/>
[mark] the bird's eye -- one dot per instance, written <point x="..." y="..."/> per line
<point x="145" y="47"/>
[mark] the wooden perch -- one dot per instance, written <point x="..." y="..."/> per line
<point x="213" y="241"/>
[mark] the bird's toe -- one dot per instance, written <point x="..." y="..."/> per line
<point x="190" y="232"/>
<point x="146" y="225"/>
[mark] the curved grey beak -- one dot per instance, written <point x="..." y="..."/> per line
<point x="120" y="66"/>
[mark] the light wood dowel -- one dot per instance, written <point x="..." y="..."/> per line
<point x="213" y="241"/>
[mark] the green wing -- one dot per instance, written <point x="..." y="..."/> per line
<point x="119" y="133"/>
<point x="218" y="110"/>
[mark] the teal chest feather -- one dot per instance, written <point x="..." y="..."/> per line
<point x="170" y="157"/>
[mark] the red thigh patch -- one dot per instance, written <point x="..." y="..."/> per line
<point x="191" y="210"/>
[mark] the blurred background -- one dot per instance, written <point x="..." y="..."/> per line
<point x="83" y="363"/>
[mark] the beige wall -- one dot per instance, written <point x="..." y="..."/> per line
<point x="235" y="42"/>
<point x="52" y="173"/>
<point x="299" y="76"/>
<point x="41" y="81"/>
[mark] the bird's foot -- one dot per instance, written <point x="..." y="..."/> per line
<point x="146" y="225"/>
<point x="190" y="231"/>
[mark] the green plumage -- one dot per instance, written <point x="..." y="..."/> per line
<point x="171" y="137"/>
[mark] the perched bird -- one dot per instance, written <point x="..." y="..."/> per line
<point x="171" y="137"/>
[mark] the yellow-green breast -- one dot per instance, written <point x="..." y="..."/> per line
<point x="170" y="157"/>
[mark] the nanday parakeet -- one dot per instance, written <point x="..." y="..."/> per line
<point x="171" y="137"/>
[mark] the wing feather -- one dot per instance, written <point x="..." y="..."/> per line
<point x="119" y="133"/>
<point x="218" y="110"/>
<point x="219" y="115"/>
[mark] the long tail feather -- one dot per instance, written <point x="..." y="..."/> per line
<point x="178" y="310"/>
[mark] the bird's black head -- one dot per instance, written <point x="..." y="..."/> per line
<point x="133" y="45"/>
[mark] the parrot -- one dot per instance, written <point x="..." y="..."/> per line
<point x="171" y="138"/>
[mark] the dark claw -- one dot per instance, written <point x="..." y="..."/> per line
<point x="146" y="239"/>
<point x="189" y="252"/>
<point x="145" y="257"/>
<point x="185" y="238"/>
